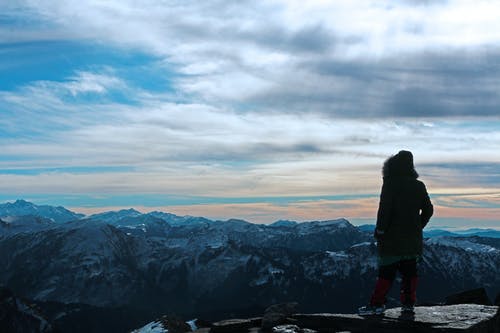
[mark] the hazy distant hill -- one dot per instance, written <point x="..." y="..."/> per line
<point x="441" y="232"/>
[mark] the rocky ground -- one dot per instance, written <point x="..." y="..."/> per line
<point x="452" y="316"/>
<point x="19" y="315"/>
<point x="470" y="318"/>
<point x="448" y="318"/>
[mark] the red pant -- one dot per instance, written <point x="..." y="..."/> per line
<point x="387" y="274"/>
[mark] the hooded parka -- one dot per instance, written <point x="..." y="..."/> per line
<point x="404" y="210"/>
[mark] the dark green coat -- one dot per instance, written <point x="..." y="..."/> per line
<point x="404" y="210"/>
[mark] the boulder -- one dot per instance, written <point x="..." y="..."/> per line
<point x="473" y="296"/>
<point x="277" y="314"/>
<point x="174" y="324"/>
<point x="202" y="323"/>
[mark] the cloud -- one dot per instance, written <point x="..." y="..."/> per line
<point x="154" y="131"/>
<point x="475" y="200"/>
<point x="87" y="82"/>
<point x="466" y="175"/>
<point x="264" y="97"/>
<point x="423" y="2"/>
<point x="342" y="59"/>
<point x="194" y="149"/>
<point x="45" y="110"/>
<point x="292" y="23"/>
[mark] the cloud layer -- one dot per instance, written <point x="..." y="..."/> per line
<point x="257" y="98"/>
<point x="362" y="59"/>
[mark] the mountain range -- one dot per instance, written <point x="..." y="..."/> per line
<point x="145" y="265"/>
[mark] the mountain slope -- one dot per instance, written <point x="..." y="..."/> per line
<point x="199" y="267"/>
<point x="195" y="267"/>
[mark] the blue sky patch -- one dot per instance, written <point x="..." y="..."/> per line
<point x="155" y="200"/>
<point x="23" y="63"/>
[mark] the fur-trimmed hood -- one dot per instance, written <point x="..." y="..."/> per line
<point x="400" y="165"/>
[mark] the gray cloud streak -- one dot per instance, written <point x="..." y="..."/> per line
<point x="424" y="85"/>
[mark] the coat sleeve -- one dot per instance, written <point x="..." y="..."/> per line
<point x="384" y="210"/>
<point x="426" y="210"/>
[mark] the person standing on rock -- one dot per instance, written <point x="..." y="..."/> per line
<point x="404" y="210"/>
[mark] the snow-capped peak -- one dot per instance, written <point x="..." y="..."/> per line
<point x="23" y="208"/>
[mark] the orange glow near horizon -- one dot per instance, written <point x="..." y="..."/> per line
<point x="263" y="212"/>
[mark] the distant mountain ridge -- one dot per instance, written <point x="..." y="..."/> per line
<point x="11" y="211"/>
<point x="436" y="232"/>
<point x="114" y="216"/>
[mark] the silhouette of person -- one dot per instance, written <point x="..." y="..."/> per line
<point x="404" y="210"/>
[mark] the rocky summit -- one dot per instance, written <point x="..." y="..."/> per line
<point x="466" y="318"/>
<point x="470" y="318"/>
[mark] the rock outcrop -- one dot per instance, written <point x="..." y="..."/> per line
<point x="466" y="318"/>
<point x="473" y="296"/>
<point x="277" y="314"/>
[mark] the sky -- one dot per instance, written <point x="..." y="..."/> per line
<point x="259" y="110"/>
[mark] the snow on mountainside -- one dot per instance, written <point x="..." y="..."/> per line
<point x="80" y="260"/>
<point x="21" y="208"/>
<point x="131" y="216"/>
<point x="464" y="244"/>
<point x="78" y="264"/>
<point x="161" y="326"/>
<point x="153" y="327"/>
<point x="100" y="264"/>
<point x="466" y="262"/>
<point x="10" y="225"/>
<point x="173" y="219"/>
<point x="327" y="225"/>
